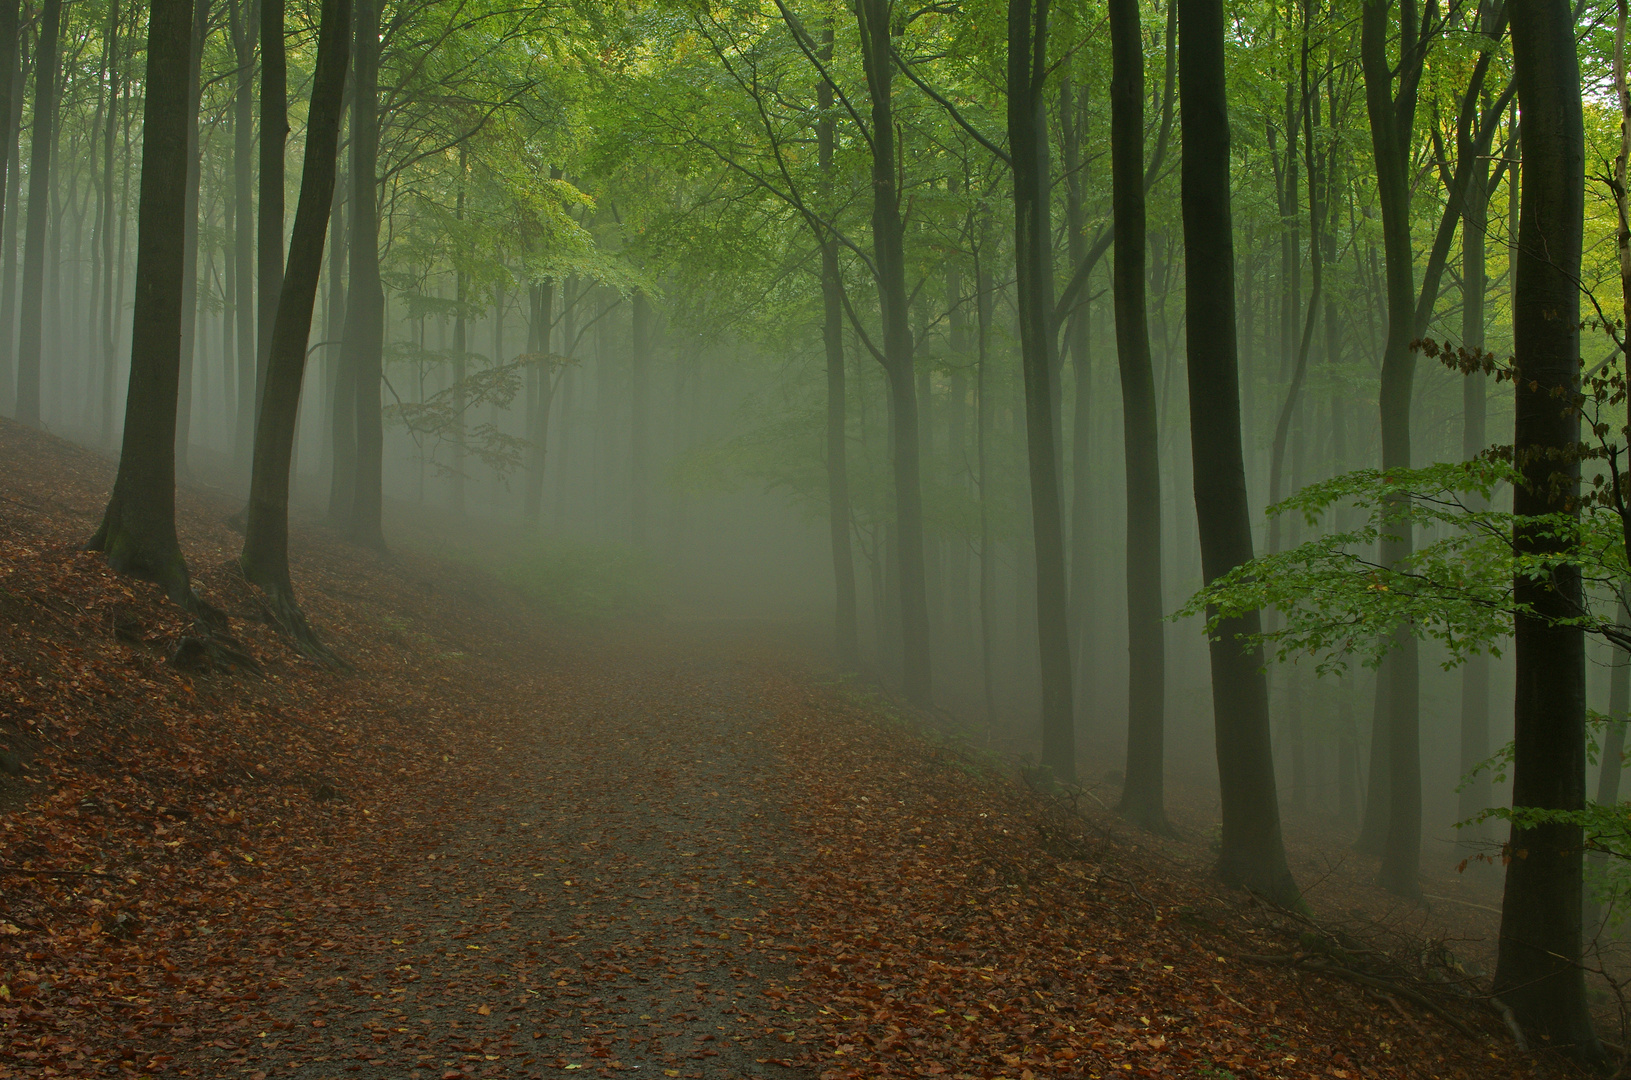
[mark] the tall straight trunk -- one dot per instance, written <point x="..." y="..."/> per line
<point x="1538" y="972"/>
<point x="984" y="305"/>
<point x="32" y="313"/>
<point x="274" y="135"/>
<point x="460" y="404"/>
<point x="363" y="348"/>
<point x="1299" y="343"/>
<point x="110" y="300"/>
<point x="889" y="256"/>
<point x="10" y="103"/>
<point x="1609" y="769"/>
<point x="1079" y="340"/>
<point x="1390" y="132"/>
<point x="10" y="235"/>
<point x="1619" y="692"/>
<point x="846" y="633"/>
<point x="639" y="420"/>
<point x="1143" y="795"/>
<point x="245" y="32"/>
<point x="189" y="272"/>
<point x="1033" y="264"/>
<point x="541" y="383"/>
<point x="339" y="441"/>
<point x="1253" y="852"/>
<point x="265" y="557"/>
<point x="138" y="530"/>
<point x="1476" y="792"/>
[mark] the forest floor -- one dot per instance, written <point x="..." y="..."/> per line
<point x="498" y="847"/>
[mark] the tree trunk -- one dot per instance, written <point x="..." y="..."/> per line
<point x="889" y="255"/>
<point x="138" y="530"/>
<point x="1390" y="132"/>
<point x="110" y="300"/>
<point x="1143" y="794"/>
<point x="363" y="347"/>
<point x="541" y="377"/>
<point x="189" y="272"/>
<point x="639" y="433"/>
<point x="342" y="383"/>
<point x="845" y="630"/>
<point x="245" y="32"/>
<point x="1253" y="853"/>
<point x="1033" y="264"/>
<point x="31" y="316"/>
<point x="10" y="106"/>
<point x="460" y="404"/>
<point x="1079" y="338"/>
<point x="265" y="557"/>
<point x="1537" y="972"/>
<point x="9" y="240"/>
<point x="984" y="304"/>
<point x="274" y="134"/>
<point x="1476" y="793"/>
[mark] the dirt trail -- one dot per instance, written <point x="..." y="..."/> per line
<point x="612" y="908"/>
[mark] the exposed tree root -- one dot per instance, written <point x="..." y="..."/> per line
<point x="277" y="600"/>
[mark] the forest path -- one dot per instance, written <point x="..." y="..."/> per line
<point x="608" y="909"/>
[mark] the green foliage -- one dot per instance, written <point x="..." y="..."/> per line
<point x="586" y="582"/>
<point x="1335" y="600"/>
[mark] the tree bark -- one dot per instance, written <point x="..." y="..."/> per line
<point x="889" y="255"/>
<point x="245" y="33"/>
<point x="1477" y="792"/>
<point x="1253" y="853"/>
<point x="364" y="343"/>
<point x="189" y="272"/>
<point x="1537" y="971"/>
<point x="1143" y="793"/>
<point x="1390" y="132"/>
<point x="138" y="530"/>
<point x="846" y="633"/>
<point x="265" y="557"/>
<point x="639" y="428"/>
<point x="110" y="300"/>
<point x="10" y="236"/>
<point x="274" y="135"/>
<point x="30" y="317"/>
<point x="10" y="93"/>
<point x="1033" y="263"/>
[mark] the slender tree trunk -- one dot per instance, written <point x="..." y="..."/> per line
<point x="1033" y="259"/>
<point x="984" y="303"/>
<point x="189" y="272"/>
<point x="1390" y="132"/>
<point x="10" y="235"/>
<point x="1537" y="972"/>
<point x="265" y="557"/>
<point x="341" y="439"/>
<point x="460" y="404"/>
<point x="639" y="427"/>
<point x="541" y="379"/>
<point x="1143" y="795"/>
<point x="30" y="318"/>
<point x="889" y="255"/>
<point x="10" y="166"/>
<point x="245" y="32"/>
<point x="1253" y="853"/>
<point x="846" y="632"/>
<point x="138" y="531"/>
<point x="363" y="348"/>
<point x="1079" y="338"/>
<point x="274" y="135"/>
<point x="110" y="300"/>
<point x="1476" y="792"/>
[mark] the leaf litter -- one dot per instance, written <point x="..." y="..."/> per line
<point x="495" y="848"/>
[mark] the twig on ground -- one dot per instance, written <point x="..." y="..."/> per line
<point x="21" y="872"/>
<point x="1511" y="1022"/>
